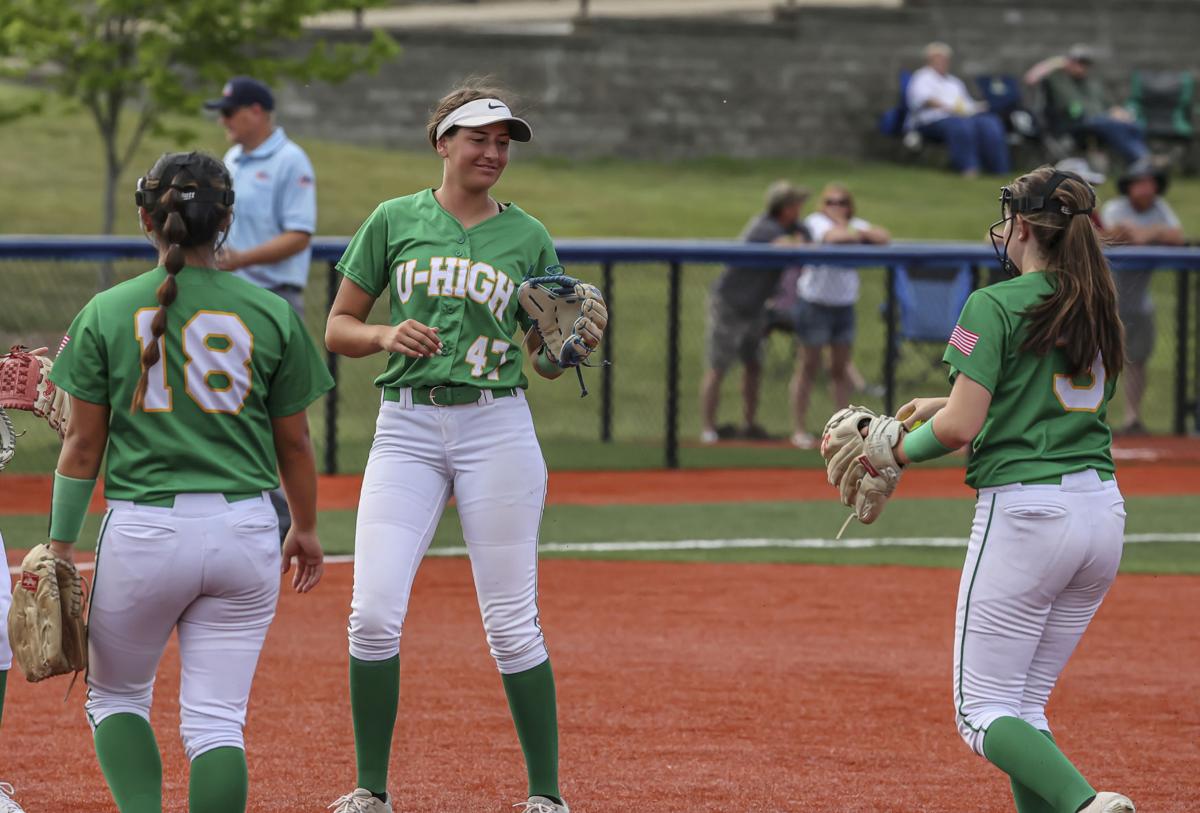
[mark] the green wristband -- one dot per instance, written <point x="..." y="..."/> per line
<point x="546" y="366"/>
<point x="921" y="444"/>
<point x="69" y="506"/>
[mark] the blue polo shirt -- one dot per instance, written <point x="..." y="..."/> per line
<point x="275" y="191"/>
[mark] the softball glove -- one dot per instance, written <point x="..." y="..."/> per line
<point x="46" y="621"/>
<point x="858" y="449"/>
<point x="25" y="384"/>
<point x="569" y="315"/>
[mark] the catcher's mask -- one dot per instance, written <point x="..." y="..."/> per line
<point x="198" y="167"/>
<point x="1038" y="199"/>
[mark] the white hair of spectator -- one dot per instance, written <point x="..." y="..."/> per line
<point x="938" y="49"/>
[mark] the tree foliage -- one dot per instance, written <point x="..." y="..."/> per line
<point x="130" y="63"/>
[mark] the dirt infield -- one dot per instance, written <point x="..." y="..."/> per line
<point x="27" y="494"/>
<point x="742" y="687"/>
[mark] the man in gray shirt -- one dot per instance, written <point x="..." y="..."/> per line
<point x="1138" y="217"/>
<point x="737" y="314"/>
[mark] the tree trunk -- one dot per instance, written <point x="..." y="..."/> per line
<point x="108" y="205"/>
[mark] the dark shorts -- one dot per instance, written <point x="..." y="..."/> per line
<point x="294" y="295"/>
<point x="734" y="337"/>
<point x="819" y="325"/>
<point x="1139" y="335"/>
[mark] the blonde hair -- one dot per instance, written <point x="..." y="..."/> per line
<point x="471" y="89"/>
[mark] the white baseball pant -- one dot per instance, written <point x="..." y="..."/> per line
<point x="487" y="455"/>
<point x="207" y="567"/>
<point x="1040" y="560"/>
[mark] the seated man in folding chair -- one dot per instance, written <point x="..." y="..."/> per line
<point x="941" y="109"/>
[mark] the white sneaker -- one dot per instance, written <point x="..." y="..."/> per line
<point x="360" y="800"/>
<point x="709" y="436"/>
<point x="803" y="440"/>
<point x="7" y="803"/>
<point x="1109" y="803"/>
<point x="540" y="804"/>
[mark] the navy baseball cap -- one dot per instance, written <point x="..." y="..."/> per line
<point x="242" y="91"/>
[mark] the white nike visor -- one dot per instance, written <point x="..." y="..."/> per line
<point x="481" y="113"/>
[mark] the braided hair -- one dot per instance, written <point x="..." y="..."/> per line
<point x="188" y="197"/>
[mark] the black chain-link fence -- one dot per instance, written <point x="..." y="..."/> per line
<point x="628" y="419"/>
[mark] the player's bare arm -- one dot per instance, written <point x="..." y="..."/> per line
<point x="347" y="331"/>
<point x="82" y="451"/>
<point x="959" y="421"/>
<point x="297" y="469"/>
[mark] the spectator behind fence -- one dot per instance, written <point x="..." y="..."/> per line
<point x="276" y="190"/>
<point x="276" y="210"/>
<point x="825" y="307"/>
<point x="737" y="314"/>
<point x="1077" y="101"/>
<point x="1138" y="217"/>
<point x="942" y="110"/>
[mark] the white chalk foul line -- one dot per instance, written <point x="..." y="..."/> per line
<point x="736" y="544"/>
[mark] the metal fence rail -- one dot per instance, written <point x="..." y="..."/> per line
<point x="674" y="255"/>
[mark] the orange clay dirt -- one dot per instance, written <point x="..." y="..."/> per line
<point x="683" y="688"/>
<point x="28" y="494"/>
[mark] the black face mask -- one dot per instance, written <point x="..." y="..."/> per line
<point x="1038" y="200"/>
<point x="151" y="188"/>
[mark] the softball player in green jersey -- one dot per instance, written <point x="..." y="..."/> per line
<point x="1033" y="361"/>
<point x="453" y="420"/>
<point x="195" y="383"/>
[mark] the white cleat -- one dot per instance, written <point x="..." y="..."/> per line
<point x="7" y="803"/>
<point x="360" y="800"/>
<point x="540" y="804"/>
<point x="1109" y="803"/>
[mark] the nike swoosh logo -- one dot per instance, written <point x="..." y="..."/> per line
<point x="494" y="106"/>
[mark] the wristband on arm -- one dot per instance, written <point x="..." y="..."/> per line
<point x="922" y="444"/>
<point x="69" y="506"/>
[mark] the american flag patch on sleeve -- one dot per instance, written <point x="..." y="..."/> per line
<point x="963" y="340"/>
<point x="65" y="340"/>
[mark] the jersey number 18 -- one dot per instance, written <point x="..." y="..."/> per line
<point x="216" y="369"/>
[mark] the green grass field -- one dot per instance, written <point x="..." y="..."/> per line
<point x="702" y="199"/>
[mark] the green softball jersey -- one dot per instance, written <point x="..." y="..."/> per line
<point x="1042" y="422"/>
<point x="234" y="356"/>
<point x="461" y="281"/>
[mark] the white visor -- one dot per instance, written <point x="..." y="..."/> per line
<point x="481" y="113"/>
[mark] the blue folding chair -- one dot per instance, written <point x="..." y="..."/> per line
<point x="929" y="300"/>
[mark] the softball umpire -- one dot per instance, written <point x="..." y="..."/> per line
<point x="453" y="420"/>
<point x="194" y="383"/>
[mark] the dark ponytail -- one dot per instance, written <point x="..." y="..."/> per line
<point x="188" y="197"/>
<point x="1080" y="316"/>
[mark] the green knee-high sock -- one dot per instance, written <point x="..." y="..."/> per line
<point x="219" y="782"/>
<point x="374" y="695"/>
<point x="132" y="766"/>
<point x="3" y="686"/>
<point x="1022" y="752"/>
<point x="1028" y="801"/>
<point x="535" y="714"/>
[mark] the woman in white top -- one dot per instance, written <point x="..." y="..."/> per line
<point x="824" y="314"/>
<point x="941" y="109"/>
